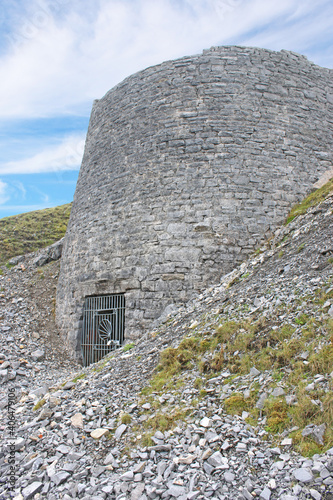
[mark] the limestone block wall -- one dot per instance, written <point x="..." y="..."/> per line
<point x="187" y="166"/>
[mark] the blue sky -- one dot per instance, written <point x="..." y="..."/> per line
<point x="57" y="56"/>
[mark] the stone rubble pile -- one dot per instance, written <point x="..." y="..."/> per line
<point x="31" y="349"/>
<point x="91" y="434"/>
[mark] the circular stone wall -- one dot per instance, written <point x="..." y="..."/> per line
<point x="187" y="166"/>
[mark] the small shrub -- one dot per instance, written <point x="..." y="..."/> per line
<point x="202" y="393"/>
<point x="198" y="383"/>
<point x="224" y="331"/>
<point x="277" y="415"/>
<point x="146" y="440"/>
<point x="322" y="361"/>
<point x="236" y="404"/>
<point x="126" y="419"/>
<point x="302" y="319"/>
<point x="218" y="361"/>
<point x="305" y="411"/>
<point x="163" y="422"/>
<point x="300" y="248"/>
<point x="305" y="445"/>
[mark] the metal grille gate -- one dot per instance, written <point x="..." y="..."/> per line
<point x="103" y="326"/>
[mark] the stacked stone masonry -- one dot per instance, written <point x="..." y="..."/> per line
<point x="188" y="166"/>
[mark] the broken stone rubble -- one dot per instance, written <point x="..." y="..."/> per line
<point x="209" y="454"/>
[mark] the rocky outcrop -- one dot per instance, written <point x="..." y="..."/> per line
<point x="43" y="256"/>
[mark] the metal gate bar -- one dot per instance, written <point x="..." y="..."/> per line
<point x="103" y="326"/>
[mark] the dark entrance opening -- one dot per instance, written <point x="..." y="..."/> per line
<point x="103" y="326"/>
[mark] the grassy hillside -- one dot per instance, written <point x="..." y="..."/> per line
<point x="312" y="200"/>
<point x="24" y="233"/>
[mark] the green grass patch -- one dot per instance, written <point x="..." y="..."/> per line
<point x="237" y="346"/>
<point x="79" y="377"/>
<point x="164" y="422"/>
<point x="126" y="419"/>
<point x="40" y="403"/>
<point x="25" y="233"/>
<point x="128" y="347"/>
<point x="312" y="200"/>
<point x="277" y="413"/>
<point x="236" y="404"/>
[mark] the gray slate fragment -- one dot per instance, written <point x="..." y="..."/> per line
<point x="175" y="491"/>
<point x="316" y="432"/>
<point x="265" y="494"/>
<point x="217" y="460"/>
<point x="31" y="490"/>
<point x="229" y="477"/>
<point x="38" y="355"/>
<point x="278" y="391"/>
<point x="254" y="372"/>
<point x="60" y="477"/>
<point x="261" y="401"/>
<point x="68" y="386"/>
<point x="303" y="475"/>
<point x="120" y="431"/>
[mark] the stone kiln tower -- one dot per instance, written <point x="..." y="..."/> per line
<point x="187" y="166"/>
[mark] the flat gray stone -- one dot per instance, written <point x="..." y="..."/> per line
<point x="120" y="431"/>
<point x="261" y="401"/>
<point x="60" y="477"/>
<point x="316" y="432"/>
<point x="38" y="355"/>
<point x="303" y="475"/>
<point x="278" y="391"/>
<point x="205" y="422"/>
<point x="127" y="476"/>
<point x="265" y="494"/>
<point x="31" y="490"/>
<point x="229" y="477"/>
<point x="138" y="491"/>
<point x="63" y="449"/>
<point x="247" y="495"/>
<point x="68" y="386"/>
<point x="254" y="372"/>
<point x="315" y="494"/>
<point x="176" y="491"/>
<point x="217" y="460"/>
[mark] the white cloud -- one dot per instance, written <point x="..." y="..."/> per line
<point x="20" y="189"/>
<point x="65" y="156"/>
<point x="4" y="197"/>
<point x="64" y="54"/>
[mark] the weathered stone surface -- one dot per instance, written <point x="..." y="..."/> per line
<point x="60" y="477"/>
<point x="120" y="431"/>
<point x="31" y="490"/>
<point x="187" y="166"/>
<point x="303" y="475"/>
<point x="38" y="355"/>
<point x="315" y="431"/>
<point x="77" y="420"/>
<point x="98" y="433"/>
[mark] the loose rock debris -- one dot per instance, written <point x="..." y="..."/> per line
<point x="100" y="433"/>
